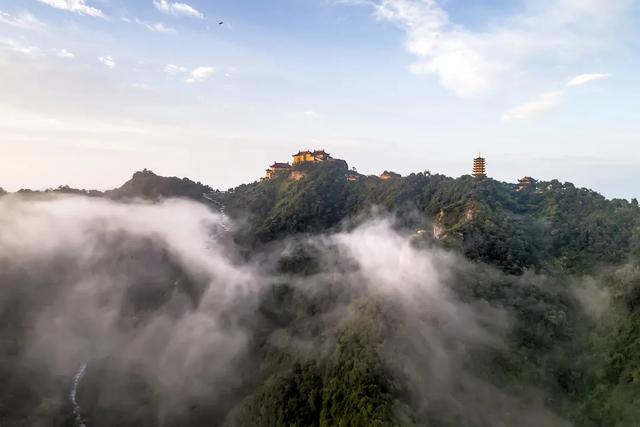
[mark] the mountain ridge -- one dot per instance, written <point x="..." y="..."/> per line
<point x="553" y="218"/>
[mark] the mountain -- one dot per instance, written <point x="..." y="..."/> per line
<point x="335" y="299"/>
<point x="552" y="227"/>
<point x="146" y="184"/>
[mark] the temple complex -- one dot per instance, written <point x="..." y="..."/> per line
<point x="306" y="156"/>
<point x="310" y="156"/>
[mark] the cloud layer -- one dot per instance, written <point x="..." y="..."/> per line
<point x="124" y="256"/>
<point x="470" y="62"/>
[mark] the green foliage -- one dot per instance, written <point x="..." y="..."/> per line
<point x="553" y="227"/>
<point x="292" y="398"/>
<point x="358" y="388"/>
<point x="612" y="392"/>
<point x="349" y="386"/>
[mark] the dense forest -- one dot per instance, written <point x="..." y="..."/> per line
<point x="421" y="300"/>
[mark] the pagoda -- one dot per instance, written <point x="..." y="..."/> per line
<point x="479" y="167"/>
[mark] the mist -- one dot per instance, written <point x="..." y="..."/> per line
<point x="158" y="298"/>
<point x="140" y="286"/>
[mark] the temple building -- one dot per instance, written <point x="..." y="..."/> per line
<point x="310" y="156"/>
<point x="302" y="156"/>
<point x="321" y="156"/>
<point x="389" y="175"/>
<point x="526" y="182"/>
<point x="278" y="169"/>
<point x="479" y="167"/>
<point x="285" y="169"/>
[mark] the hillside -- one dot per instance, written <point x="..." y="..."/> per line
<point x="146" y="184"/>
<point x="557" y="228"/>
<point x="418" y="300"/>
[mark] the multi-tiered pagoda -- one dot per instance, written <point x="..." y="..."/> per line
<point x="479" y="167"/>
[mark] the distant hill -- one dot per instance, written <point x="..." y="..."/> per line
<point x="143" y="185"/>
<point x="146" y="184"/>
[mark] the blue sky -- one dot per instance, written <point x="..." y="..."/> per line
<point x="93" y="90"/>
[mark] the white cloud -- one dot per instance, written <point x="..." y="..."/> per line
<point x="24" y="20"/>
<point x="157" y="27"/>
<point x="15" y="46"/>
<point x="548" y="101"/>
<point x="587" y="78"/>
<point x="200" y="74"/>
<point x="196" y="75"/>
<point x="539" y="105"/>
<point x="107" y="61"/>
<point x="470" y="62"/>
<point x="77" y="6"/>
<point x="177" y="9"/>
<point x="174" y="70"/>
<point x="63" y="53"/>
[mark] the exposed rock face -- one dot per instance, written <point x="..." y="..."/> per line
<point x="470" y="213"/>
<point x="439" y="232"/>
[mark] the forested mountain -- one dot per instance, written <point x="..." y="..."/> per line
<point x="324" y="301"/>
<point x="552" y="227"/>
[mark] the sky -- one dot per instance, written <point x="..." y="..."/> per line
<point x="216" y="90"/>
